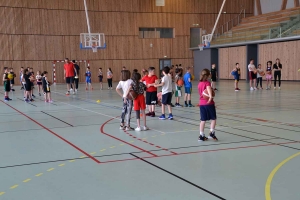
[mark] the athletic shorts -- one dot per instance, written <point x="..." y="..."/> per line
<point x="151" y="98"/>
<point x="88" y="80"/>
<point x="166" y="98"/>
<point x="252" y="76"/>
<point x="139" y="103"/>
<point x="237" y="80"/>
<point x="100" y="79"/>
<point x="187" y="90"/>
<point x="7" y="86"/>
<point x="213" y="79"/>
<point x="39" y="83"/>
<point x="12" y="81"/>
<point x="28" y="87"/>
<point x="178" y="92"/>
<point x="70" y="80"/>
<point x="268" y="76"/>
<point x="208" y="112"/>
<point x="46" y="91"/>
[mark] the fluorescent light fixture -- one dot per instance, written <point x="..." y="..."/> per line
<point x="160" y="2"/>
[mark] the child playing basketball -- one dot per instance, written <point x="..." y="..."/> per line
<point x="236" y="72"/>
<point x="139" y="101"/>
<point x="151" y="92"/>
<point x="39" y="81"/>
<point x="178" y="84"/>
<point x="207" y="107"/>
<point x="269" y="75"/>
<point x="124" y="85"/>
<point x="166" y="83"/>
<point x="88" y="79"/>
<point x="252" y="75"/>
<point x="214" y="76"/>
<point x="28" y="87"/>
<point x="6" y="83"/>
<point x="12" y="81"/>
<point x="46" y="87"/>
<point x="187" y="78"/>
<point x="100" y="76"/>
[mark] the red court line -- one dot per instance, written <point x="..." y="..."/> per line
<point x="102" y="131"/>
<point x="202" y="151"/>
<point x="63" y="139"/>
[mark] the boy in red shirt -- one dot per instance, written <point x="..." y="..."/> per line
<point x="151" y="92"/>
<point x="69" y="73"/>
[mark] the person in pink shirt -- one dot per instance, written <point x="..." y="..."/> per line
<point x="207" y="107"/>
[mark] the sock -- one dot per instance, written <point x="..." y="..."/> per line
<point x="212" y="130"/>
<point x="201" y="133"/>
<point x="185" y="102"/>
<point x="190" y="102"/>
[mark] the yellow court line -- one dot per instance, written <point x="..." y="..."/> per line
<point x="27" y="180"/>
<point x="272" y="174"/>
<point x="144" y="138"/>
<point x="82" y="156"/>
<point x="49" y="170"/>
<point x="2" y="193"/>
<point x="62" y="165"/>
<point x="131" y="142"/>
<point x="71" y="160"/>
<point x="40" y="174"/>
<point x="121" y="144"/>
<point x="93" y="153"/>
<point x="153" y="136"/>
<point x="14" y="186"/>
<point x="102" y="149"/>
<point x="112" y="147"/>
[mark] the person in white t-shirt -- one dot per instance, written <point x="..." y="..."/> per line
<point x="166" y="83"/>
<point x="252" y="75"/>
<point x="124" y="85"/>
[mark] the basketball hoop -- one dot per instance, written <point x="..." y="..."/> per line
<point x="201" y="46"/>
<point x="94" y="48"/>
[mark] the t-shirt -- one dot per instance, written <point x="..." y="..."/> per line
<point x="109" y="75"/>
<point x="259" y="71"/>
<point x="69" y="68"/>
<point x="201" y="87"/>
<point x="186" y="78"/>
<point x="251" y="67"/>
<point x="277" y="67"/>
<point x="167" y="87"/>
<point x="38" y="78"/>
<point x="213" y="72"/>
<point x="150" y="80"/>
<point x="124" y="85"/>
<point x="27" y="80"/>
<point x="139" y="87"/>
<point x="77" y="69"/>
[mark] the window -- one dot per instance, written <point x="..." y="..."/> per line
<point x="156" y="32"/>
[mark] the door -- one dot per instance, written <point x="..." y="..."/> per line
<point x="164" y="63"/>
<point x="195" y="37"/>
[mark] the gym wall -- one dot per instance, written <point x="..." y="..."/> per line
<point x="36" y="32"/>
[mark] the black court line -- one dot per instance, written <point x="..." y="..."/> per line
<point x="185" y="180"/>
<point x="57" y="118"/>
<point x="27" y="102"/>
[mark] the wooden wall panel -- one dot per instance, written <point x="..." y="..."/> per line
<point x="288" y="54"/>
<point x="228" y="57"/>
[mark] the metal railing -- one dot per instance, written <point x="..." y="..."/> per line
<point x="231" y="23"/>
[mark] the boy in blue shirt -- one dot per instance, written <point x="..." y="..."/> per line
<point x="187" y="78"/>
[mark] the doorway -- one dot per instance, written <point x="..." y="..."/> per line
<point x="164" y="63"/>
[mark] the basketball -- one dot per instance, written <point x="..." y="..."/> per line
<point x="234" y="73"/>
<point x="206" y="95"/>
<point x="10" y="76"/>
<point x="193" y="77"/>
<point x="262" y="73"/>
<point x="180" y="83"/>
<point x="132" y="95"/>
<point x="255" y="71"/>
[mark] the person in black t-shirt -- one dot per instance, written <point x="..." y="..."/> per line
<point x="277" y="67"/>
<point x="76" y="75"/>
<point x="214" y="76"/>
<point x="28" y="88"/>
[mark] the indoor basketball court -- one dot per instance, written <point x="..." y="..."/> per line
<point x="73" y="147"/>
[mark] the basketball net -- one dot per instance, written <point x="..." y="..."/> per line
<point x="94" y="48"/>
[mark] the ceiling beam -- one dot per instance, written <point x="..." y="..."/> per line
<point x="258" y="7"/>
<point x="283" y="5"/>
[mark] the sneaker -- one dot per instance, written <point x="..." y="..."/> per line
<point x="255" y="88"/>
<point x="73" y="92"/>
<point x="137" y="129"/>
<point x="122" y="127"/>
<point x="186" y="105"/>
<point x="251" y="89"/>
<point x="191" y="105"/>
<point x="213" y="136"/>
<point x="76" y="90"/>
<point x="202" y="138"/>
<point x="236" y="90"/>
<point x="71" y="89"/>
<point x="170" y="117"/>
<point x="6" y="99"/>
<point x="9" y="99"/>
<point x="13" y="90"/>
<point x="148" y="114"/>
<point x="46" y="101"/>
<point x="26" y="100"/>
<point x="216" y="89"/>
<point x="172" y="105"/>
<point x="50" y="101"/>
<point x="274" y="88"/>
<point x="22" y="88"/>
<point x="129" y="128"/>
<point x="145" y="128"/>
<point x="68" y="93"/>
<point x="178" y="105"/>
<point x="163" y="117"/>
<point x="278" y="88"/>
<point x="152" y="114"/>
<point x="33" y="95"/>
<point x="31" y="100"/>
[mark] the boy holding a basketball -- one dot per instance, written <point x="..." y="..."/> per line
<point x="12" y="81"/>
<point x="151" y="92"/>
<point x="187" y="78"/>
<point x="207" y="106"/>
<point x="259" y="74"/>
<point x="236" y="72"/>
<point x="178" y="84"/>
<point x="6" y="83"/>
<point x="166" y="83"/>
